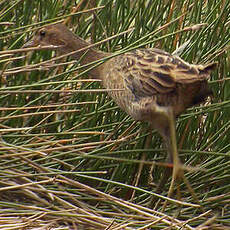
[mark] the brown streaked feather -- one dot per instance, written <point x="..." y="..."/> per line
<point x="153" y="85"/>
<point x="150" y="74"/>
<point x="158" y="77"/>
<point x="155" y="71"/>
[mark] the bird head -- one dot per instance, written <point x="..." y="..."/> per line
<point x="49" y="35"/>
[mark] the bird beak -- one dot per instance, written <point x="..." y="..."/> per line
<point x="30" y="43"/>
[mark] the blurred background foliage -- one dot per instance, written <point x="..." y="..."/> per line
<point x="68" y="152"/>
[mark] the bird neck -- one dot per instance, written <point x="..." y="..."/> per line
<point x="86" y="56"/>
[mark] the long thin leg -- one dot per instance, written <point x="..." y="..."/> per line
<point x="166" y="127"/>
<point x="168" y="132"/>
<point x="162" y="119"/>
<point x="178" y="167"/>
<point x="171" y="142"/>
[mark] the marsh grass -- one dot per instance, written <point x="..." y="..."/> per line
<point x="70" y="158"/>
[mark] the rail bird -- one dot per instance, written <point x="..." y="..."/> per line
<point x="156" y="86"/>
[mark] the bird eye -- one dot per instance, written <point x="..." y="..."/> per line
<point x="42" y="33"/>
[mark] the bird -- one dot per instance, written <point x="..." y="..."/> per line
<point x="155" y="86"/>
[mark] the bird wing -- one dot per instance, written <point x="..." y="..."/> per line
<point x="148" y="72"/>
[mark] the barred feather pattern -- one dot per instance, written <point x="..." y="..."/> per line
<point x="147" y="78"/>
<point x="153" y="76"/>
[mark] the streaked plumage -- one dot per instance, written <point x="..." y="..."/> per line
<point x="155" y="76"/>
<point x="155" y="86"/>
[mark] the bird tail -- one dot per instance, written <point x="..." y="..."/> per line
<point x="207" y="69"/>
<point x="204" y="90"/>
<point x="203" y="93"/>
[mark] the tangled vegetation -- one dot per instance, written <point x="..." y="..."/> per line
<point x="70" y="158"/>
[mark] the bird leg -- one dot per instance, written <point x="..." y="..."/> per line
<point x="162" y="119"/>
<point x="166" y="127"/>
<point x="178" y="169"/>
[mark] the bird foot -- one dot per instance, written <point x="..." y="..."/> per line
<point x="178" y="174"/>
<point x="177" y="171"/>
